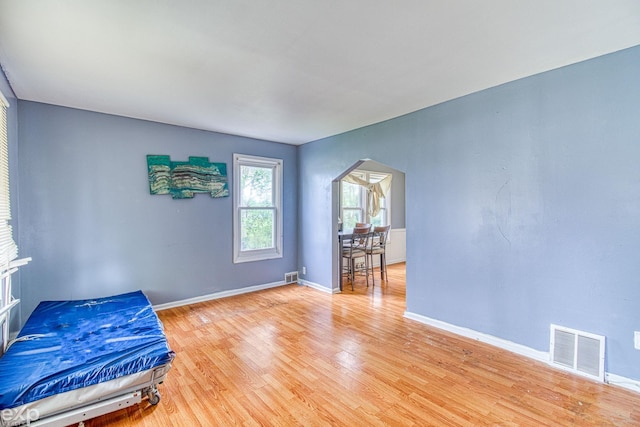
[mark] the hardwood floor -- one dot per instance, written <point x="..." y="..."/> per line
<point x="297" y="356"/>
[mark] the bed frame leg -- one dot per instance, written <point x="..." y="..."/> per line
<point x="154" y="395"/>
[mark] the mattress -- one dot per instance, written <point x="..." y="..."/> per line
<point x="69" y="345"/>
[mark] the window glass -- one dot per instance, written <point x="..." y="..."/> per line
<point x="257" y="229"/>
<point x="257" y="186"/>
<point x="352" y="206"/>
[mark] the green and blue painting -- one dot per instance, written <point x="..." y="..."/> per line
<point x="183" y="179"/>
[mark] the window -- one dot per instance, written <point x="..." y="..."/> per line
<point x="353" y="203"/>
<point x="356" y="200"/>
<point x="257" y="200"/>
<point x="8" y="248"/>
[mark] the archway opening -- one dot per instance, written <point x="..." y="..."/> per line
<point x="395" y="206"/>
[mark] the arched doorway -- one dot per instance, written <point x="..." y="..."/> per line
<point x="397" y="217"/>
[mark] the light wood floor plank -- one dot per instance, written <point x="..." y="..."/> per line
<point x="296" y="356"/>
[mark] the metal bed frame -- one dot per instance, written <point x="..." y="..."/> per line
<point x="78" y="405"/>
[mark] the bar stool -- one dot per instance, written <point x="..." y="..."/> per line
<point x="347" y="242"/>
<point x="357" y="249"/>
<point x="378" y="247"/>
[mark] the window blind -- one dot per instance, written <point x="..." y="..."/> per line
<point x="8" y="248"/>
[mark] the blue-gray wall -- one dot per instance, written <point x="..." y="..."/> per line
<point x="93" y="229"/>
<point x="523" y="205"/>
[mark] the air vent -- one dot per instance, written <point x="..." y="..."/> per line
<point x="291" y="277"/>
<point x="578" y="352"/>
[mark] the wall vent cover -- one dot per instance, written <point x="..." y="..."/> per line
<point x="291" y="277"/>
<point x="578" y="352"/>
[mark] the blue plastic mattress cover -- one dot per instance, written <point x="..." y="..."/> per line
<point x="66" y="345"/>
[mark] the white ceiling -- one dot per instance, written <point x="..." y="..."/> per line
<point x="292" y="71"/>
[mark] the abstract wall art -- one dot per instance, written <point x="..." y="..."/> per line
<point x="183" y="179"/>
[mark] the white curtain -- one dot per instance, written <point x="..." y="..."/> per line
<point x="374" y="191"/>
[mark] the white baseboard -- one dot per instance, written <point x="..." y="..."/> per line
<point x="232" y="292"/>
<point x="318" y="287"/>
<point x="541" y="356"/>
<point x="217" y="295"/>
<point x="479" y="336"/>
<point x="393" y="261"/>
<point x="633" y="385"/>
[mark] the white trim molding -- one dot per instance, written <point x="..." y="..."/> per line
<point x="522" y="350"/>
<point x="617" y="380"/>
<point x="319" y="287"/>
<point x="3" y="100"/>
<point x="233" y="292"/>
<point x="479" y="336"/>
<point x="218" y="295"/>
<point x="273" y="206"/>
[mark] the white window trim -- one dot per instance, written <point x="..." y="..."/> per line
<point x="262" y="254"/>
